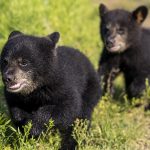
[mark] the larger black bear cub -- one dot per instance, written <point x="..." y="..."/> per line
<point x="43" y="82"/>
<point x="126" y="48"/>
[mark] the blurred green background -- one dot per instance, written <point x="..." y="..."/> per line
<point x="117" y="125"/>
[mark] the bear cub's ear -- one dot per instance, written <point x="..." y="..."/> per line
<point x="102" y="10"/>
<point x="54" y="37"/>
<point x="140" y="14"/>
<point x="14" y="33"/>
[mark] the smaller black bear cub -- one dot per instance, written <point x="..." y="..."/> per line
<point x="126" y="48"/>
<point x="42" y="81"/>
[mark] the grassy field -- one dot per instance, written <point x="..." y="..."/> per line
<point x="116" y="123"/>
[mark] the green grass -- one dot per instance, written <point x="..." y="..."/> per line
<point x="116" y="123"/>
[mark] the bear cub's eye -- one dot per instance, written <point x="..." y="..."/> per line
<point x="121" y="31"/>
<point x="23" y="63"/>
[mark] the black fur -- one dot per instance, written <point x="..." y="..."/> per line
<point x="133" y="60"/>
<point x="67" y="87"/>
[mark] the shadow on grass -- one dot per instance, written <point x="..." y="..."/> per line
<point x="119" y="97"/>
<point x="119" y="94"/>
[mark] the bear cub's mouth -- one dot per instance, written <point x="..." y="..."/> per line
<point x="16" y="87"/>
<point x="114" y="48"/>
<point x="117" y="47"/>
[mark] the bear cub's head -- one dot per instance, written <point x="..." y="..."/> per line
<point x="120" y="28"/>
<point x="26" y="61"/>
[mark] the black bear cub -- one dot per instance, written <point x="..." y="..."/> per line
<point x="126" y="48"/>
<point x="42" y="81"/>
